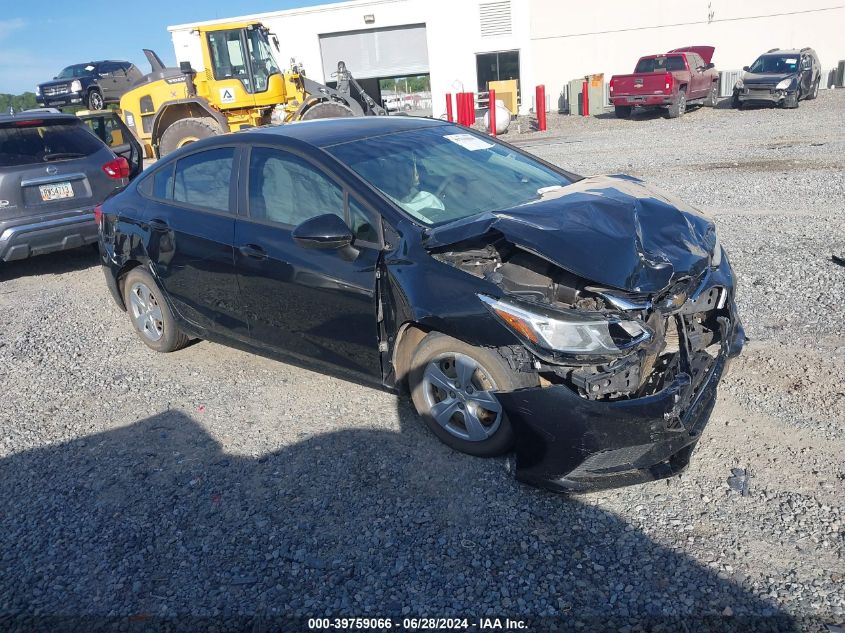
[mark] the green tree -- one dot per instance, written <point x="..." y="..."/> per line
<point x="18" y="102"/>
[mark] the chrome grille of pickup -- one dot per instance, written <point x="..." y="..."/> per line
<point x="52" y="91"/>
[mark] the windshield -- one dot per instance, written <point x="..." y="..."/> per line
<point x="77" y="70"/>
<point x="44" y="141"/>
<point x="445" y="173"/>
<point x="262" y="59"/>
<point x="775" y="64"/>
<point x="660" y="64"/>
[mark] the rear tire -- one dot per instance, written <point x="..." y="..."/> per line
<point x="443" y="360"/>
<point x="149" y="313"/>
<point x="326" y="110"/>
<point x="622" y="112"/>
<point x="678" y="108"/>
<point x="185" y="131"/>
<point x="815" y="90"/>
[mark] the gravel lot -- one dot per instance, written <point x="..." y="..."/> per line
<point x="213" y="483"/>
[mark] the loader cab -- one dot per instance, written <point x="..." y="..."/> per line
<point x="241" y="69"/>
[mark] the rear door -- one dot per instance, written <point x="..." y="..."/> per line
<point x="316" y="304"/>
<point x="190" y="223"/>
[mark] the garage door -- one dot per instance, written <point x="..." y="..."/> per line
<point x="388" y="52"/>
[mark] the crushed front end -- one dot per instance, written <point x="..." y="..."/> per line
<point x="627" y="386"/>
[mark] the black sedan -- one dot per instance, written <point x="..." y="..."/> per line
<point x="582" y="322"/>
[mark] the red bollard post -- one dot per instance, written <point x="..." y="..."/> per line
<point x="585" y="98"/>
<point x="449" y="117"/>
<point x="540" y="107"/>
<point x="460" y="107"/>
<point x="491" y="108"/>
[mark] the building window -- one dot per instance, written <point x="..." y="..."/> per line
<point x="497" y="67"/>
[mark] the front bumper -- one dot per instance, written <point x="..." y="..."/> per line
<point x="46" y="234"/>
<point x="566" y="443"/>
<point x="67" y="99"/>
<point x="750" y="95"/>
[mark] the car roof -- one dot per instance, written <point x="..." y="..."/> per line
<point x="41" y="116"/>
<point x="326" y="132"/>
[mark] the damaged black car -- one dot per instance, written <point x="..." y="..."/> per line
<point x="582" y="323"/>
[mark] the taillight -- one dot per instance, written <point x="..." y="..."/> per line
<point x="98" y="214"/>
<point x="670" y="79"/>
<point x="117" y="168"/>
<point x="611" y="86"/>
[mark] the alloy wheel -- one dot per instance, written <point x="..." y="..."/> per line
<point x="95" y="101"/>
<point x="459" y="394"/>
<point x="146" y="312"/>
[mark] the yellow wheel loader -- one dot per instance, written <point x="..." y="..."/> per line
<point x="241" y="86"/>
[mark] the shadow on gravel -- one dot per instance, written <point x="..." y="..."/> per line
<point x="153" y="527"/>
<point x="50" y="264"/>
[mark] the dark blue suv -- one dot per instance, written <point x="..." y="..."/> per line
<point x="92" y="85"/>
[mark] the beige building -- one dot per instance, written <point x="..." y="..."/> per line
<point x="462" y="44"/>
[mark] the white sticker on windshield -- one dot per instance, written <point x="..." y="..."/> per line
<point x="792" y="60"/>
<point x="89" y="68"/>
<point x="468" y="141"/>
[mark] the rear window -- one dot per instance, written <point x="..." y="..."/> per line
<point x="45" y="142"/>
<point x="660" y="64"/>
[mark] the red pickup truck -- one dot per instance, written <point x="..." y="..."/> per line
<point x="673" y="80"/>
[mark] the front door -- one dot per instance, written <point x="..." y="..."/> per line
<point x="191" y="224"/>
<point x="316" y="304"/>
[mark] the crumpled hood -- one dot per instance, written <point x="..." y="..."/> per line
<point x="610" y="230"/>
<point x="765" y="78"/>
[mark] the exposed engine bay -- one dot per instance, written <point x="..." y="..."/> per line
<point x="685" y="322"/>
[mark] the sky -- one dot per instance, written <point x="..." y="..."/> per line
<point x="38" y="39"/>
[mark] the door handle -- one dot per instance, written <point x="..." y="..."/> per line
<point x="157" y="224"/>
<point x="255" y="252"/>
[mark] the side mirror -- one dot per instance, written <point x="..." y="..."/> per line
<point x="324" y="232"/>
<point x="746" y="69"/>
<point x="709" y="66"/>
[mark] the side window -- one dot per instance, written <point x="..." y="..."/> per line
<point x="288" y="190"/>
<point x="364" y="227"/>
<point x="163" y="183"/>
<point x="106" y="70"/>
<point x="204" y="179"/>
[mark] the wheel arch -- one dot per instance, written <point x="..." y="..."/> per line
<point x="120" y="277"/>
<point x="408" y="337"/>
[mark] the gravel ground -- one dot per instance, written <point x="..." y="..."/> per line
<point x="213" y="483"/>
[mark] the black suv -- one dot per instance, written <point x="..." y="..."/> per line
<point x="91" y="85"/>
<point x="782" y="77"/>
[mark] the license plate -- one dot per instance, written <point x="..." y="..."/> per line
<point x="635" y="99"/>
<point x="57" y="191"/>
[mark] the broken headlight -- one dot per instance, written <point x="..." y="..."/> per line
<point x="784" y="85"/>
<point x="716" y="256"/>
<point x="568" y="331"/>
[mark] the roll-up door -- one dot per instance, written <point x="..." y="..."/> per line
<point x="387" y="52"/>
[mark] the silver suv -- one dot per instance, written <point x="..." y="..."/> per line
<point x="53" y="172"/>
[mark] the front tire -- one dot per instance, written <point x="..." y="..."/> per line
<point x="327" y="110"/>
<point x="186" y="131"/>
<point x="790" y="102"/>
<point x="452" y="386"/>
<point x="150" y="314"/>
<point x="712" y="99"/>
<point x="622" y="112"/>
<point x="94" y="100"/>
